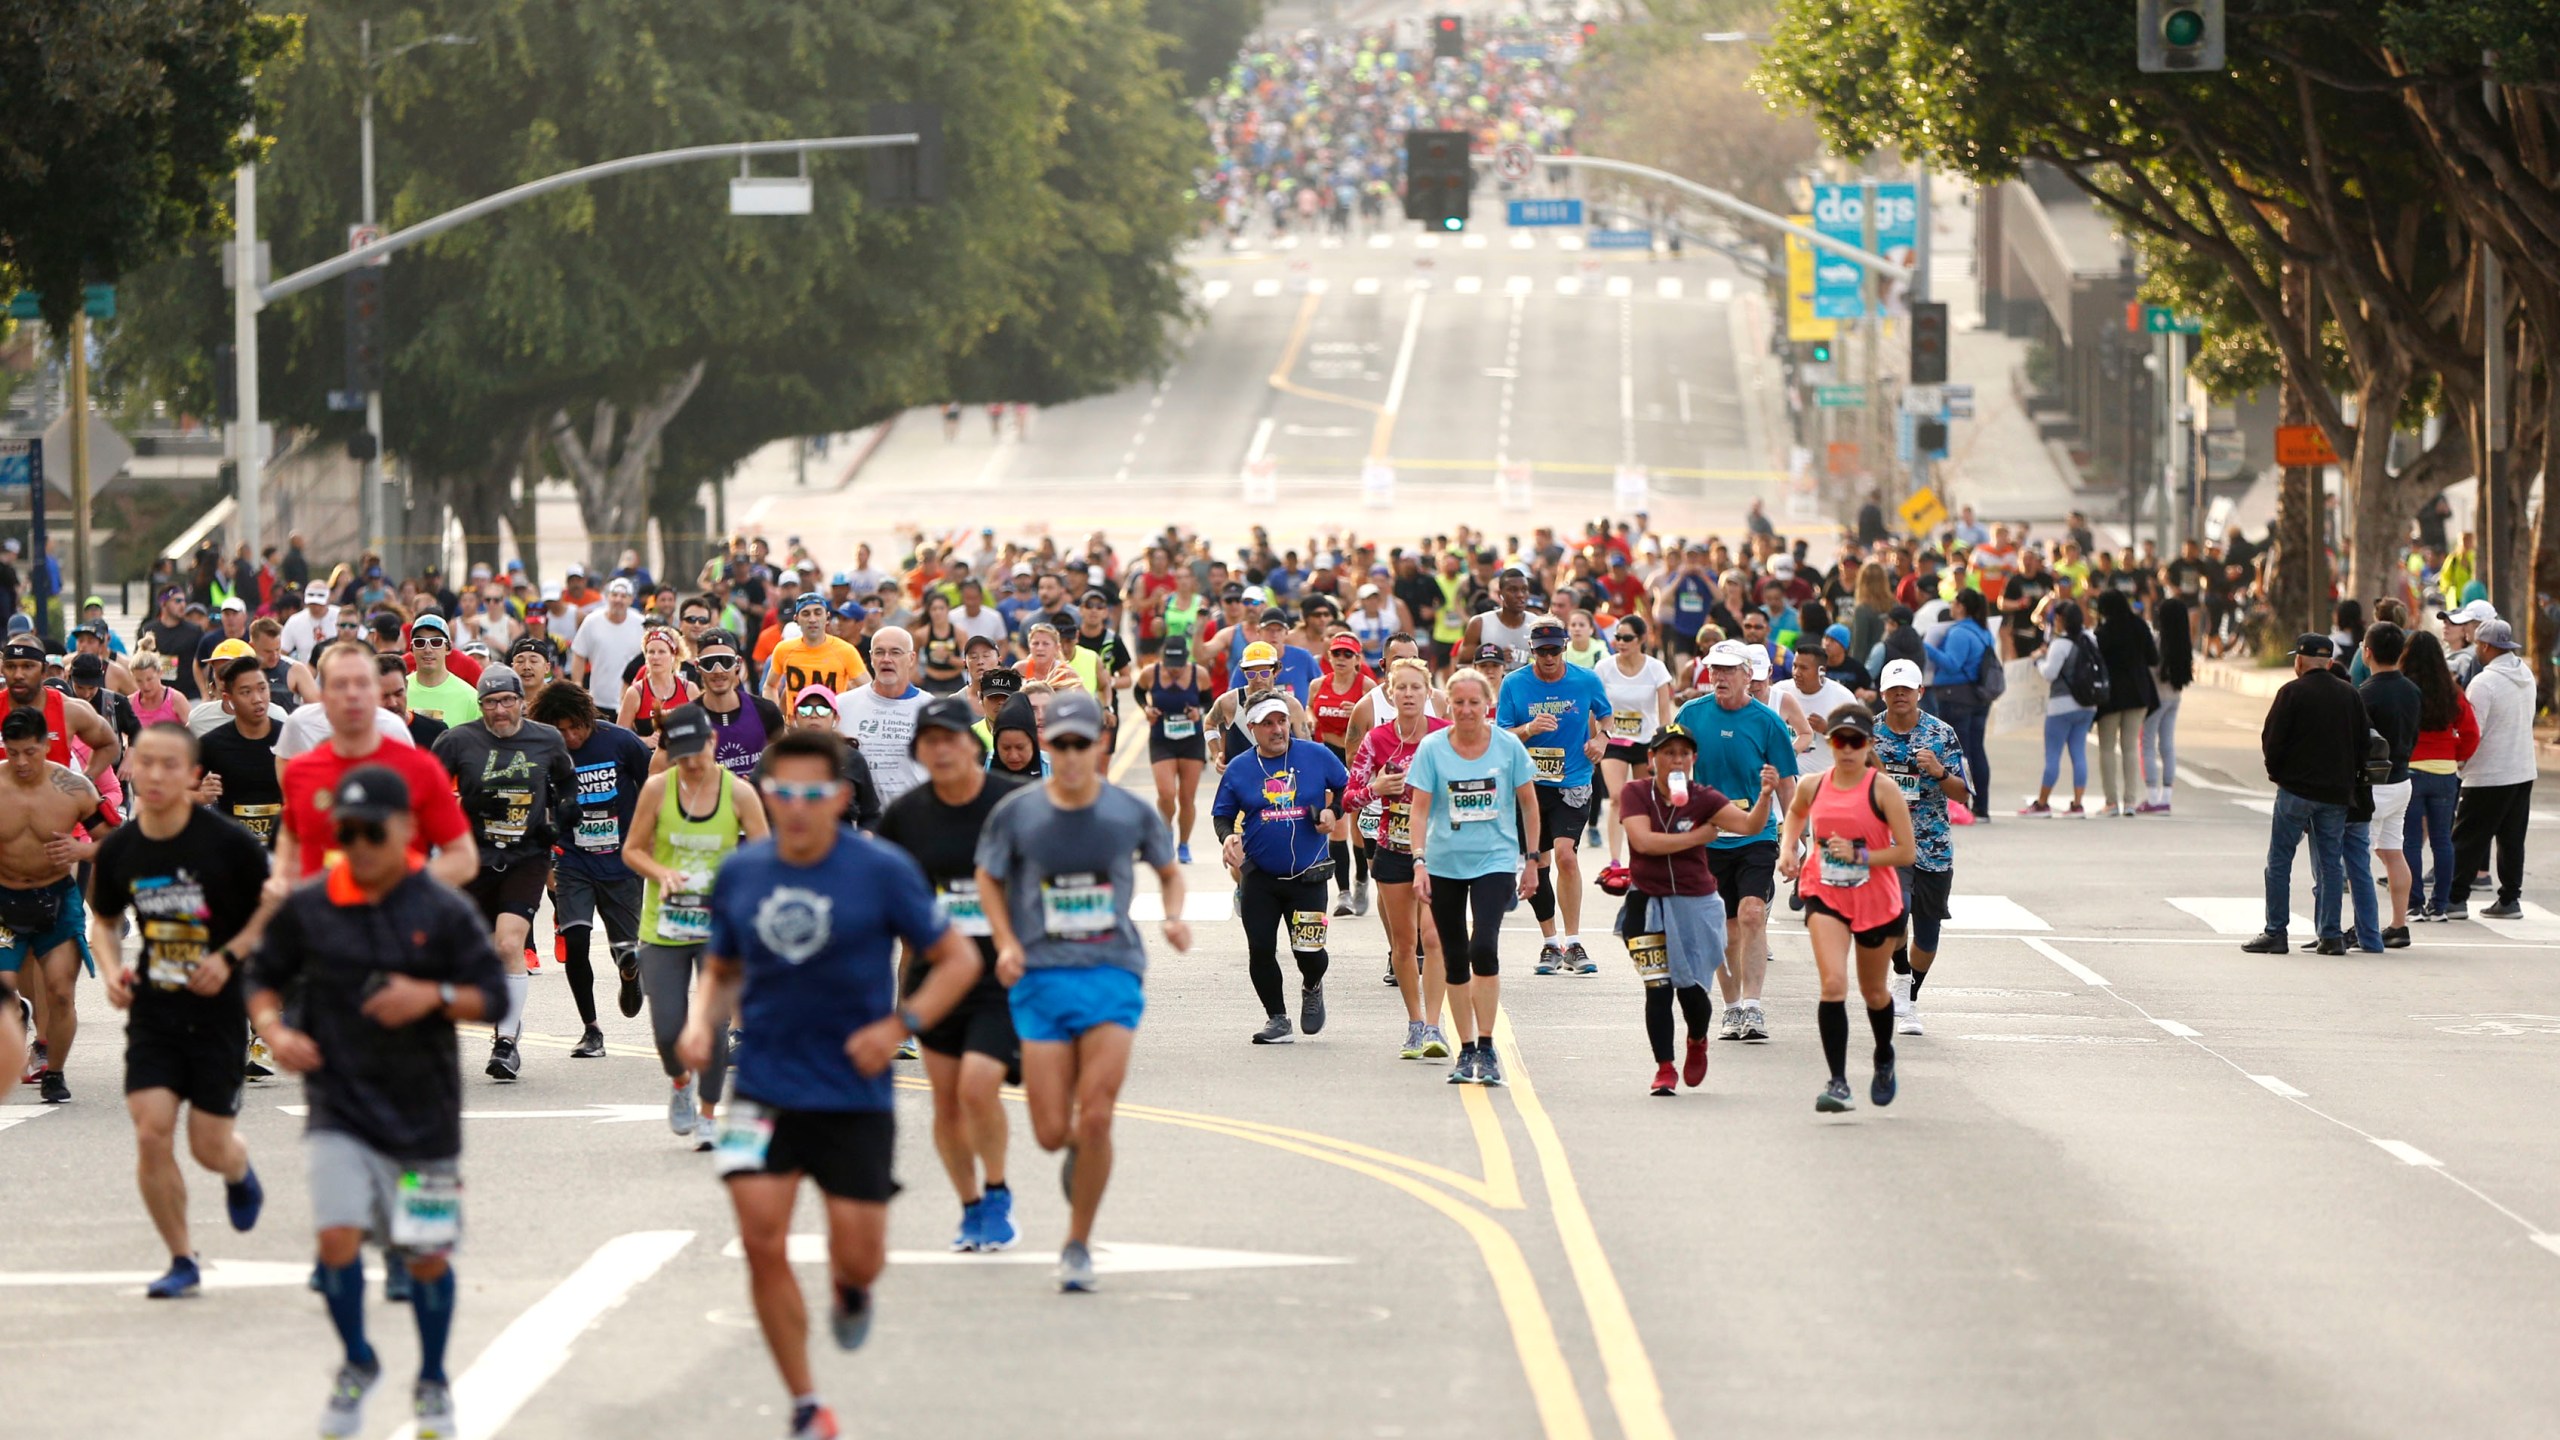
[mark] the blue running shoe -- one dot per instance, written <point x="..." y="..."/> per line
<point x="245" y="1200"/>
<point x="967" y="1240"/>
<point x="1182" y="854"/>
<point x="850" y="1322"/>
<point x="182" y="1280"/>
<point x="1885" y="1087"/>
<point x="995" y="1221"/>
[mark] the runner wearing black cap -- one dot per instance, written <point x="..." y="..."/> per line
<point x="1859" y="830"/>
<point x="967" y="1054"/>
<point x="1561" y="712"/>
<point x="1673" y="921"/>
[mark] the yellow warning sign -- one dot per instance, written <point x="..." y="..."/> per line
<point x="1802" y="323"/>
<point x="1924" y="511"/>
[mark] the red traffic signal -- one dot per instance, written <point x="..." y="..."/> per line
<point x="1448" y="37"/>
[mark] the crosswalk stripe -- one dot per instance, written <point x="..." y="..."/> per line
<point x="1426" y="242"/>
<point x="2236" y="914"/>
<point x="1568" y="284"/>
<point x="1524" y="241"/>
<point x="1719" y="290"/>
<point x="1518" y="285"/>
<point x="1470" y="284"/>
<point x="1381" y="242"/>
<point x="1265" y="289"/>
<point x="1620" y="285"/>
<point x="2537" y="924"/>
<point x="1568" y="242"/>
<point x="1215" y="291"/>
<point x="1669" y="287"/>
<point x="1365" y="285"/>
<point x="1474" y="242"/>
<point x="1991" y="912"/>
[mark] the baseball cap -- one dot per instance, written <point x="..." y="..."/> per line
<point x="1264" y="708"/>
<point x="90" y="670"/>
<point x="814" y="700"/>
<point x="1899" y="675"/>
<point x="428" y="621"/>
<point x="234" y="602"/>
<point x="22" y="625"/>
<point x="1548" y="633"/>
<point x="1177" y="650"/>
<point x="617" y="586"/>
<point x="1256" y="595"/>
<point x="575" y="569"/>
<point x="978" y="642"/>
<point x="499" y="680"/>
<point x="1000" y="681"/>
<point x="1366" y="591"/>
<point x="2472" y="613"/>
<point x="1852" y="718"/>
<point x="1725" y="654"/>
<point x="850" y="611"/>
<point x="684" y="730"/>
<point x="370" y="792"/>
<point x="1021" y="570"/>
<point x="315" y="593"/>
<point x="1074" y="716"/>
<point x="1488" y="651"/>
<point x="232" y="650"/>
<point x="1670" y="734"/>
<point x="1757" y="657"/>
<point x="1257" y="655"/>
<point x="947" y="712"/>
<point x="2496" y="635"/>
<point x="2318" y="647"/>
<point x="1344" y="645"/>
<point x="841" y="580"/>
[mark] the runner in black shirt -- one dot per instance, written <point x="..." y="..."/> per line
<point x="191" y="879"/>
<point x="239" y="756"/>
<point x="966" y="1055"/>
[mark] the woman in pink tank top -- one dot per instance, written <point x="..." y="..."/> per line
<point x="1860" y="830"/>
<point x="155" y="703"/>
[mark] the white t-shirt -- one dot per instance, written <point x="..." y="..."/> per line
<point x="608" y="649"/>
<point x="1639" y="694"/>
<point x="986" y="622"/>
<point x="1821" y="702"/>
<point x="882" y="729"/>
<point x="306" y="728"/>
<point x="302" y="634"/>
<point x="207" y="717"/>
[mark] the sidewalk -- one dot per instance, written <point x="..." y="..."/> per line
<point x="1997" y="462"/>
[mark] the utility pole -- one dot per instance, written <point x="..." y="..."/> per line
<point x="2490" y="506"/>
<point x="248" y="454"/>
<point x="1871" y="342"/>
<point x="79" y="465"/>
<point x="376" y="520"/>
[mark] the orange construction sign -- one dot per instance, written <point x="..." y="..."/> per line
<point x="2301" y="445"/>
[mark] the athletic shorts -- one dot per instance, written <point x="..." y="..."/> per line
<point x="203" y="1062"/>
<point x="1927" y="894"/>
<point x="516" y="890"/>
<point x="1390" y="867"/>
<point x="356" y="1187"/>
<point x="1194" y="746"/>
<point x="2389" y="825"/>
<point x="68" y="925"/>
<point x="1744" y="872"/>
<point x="1628" y="753"/>
<point x="1888" y="933"/>
<point x="1056" y="1004"/>
<point x="1559" y="819"/>
<point x="982" y="1024"/>
<point x="580" y="896"/>
<point x="847" y="1152"/>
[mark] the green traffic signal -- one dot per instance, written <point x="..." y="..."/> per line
<point x="1821" y="352"/>
<point x="2183" y="27"/>
<point x="1452" y="222"/>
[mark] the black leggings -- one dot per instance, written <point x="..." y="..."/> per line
<point x="1265" y="905"/>
<point x="1471" y="949"/>
<point x="1695" y="1007"/>
<point x="1350" y="861"/>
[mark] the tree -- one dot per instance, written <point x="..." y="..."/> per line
<point x="119" y="130"/>
<point x="1205" y="36"/>
<point x="1657" y="94"/>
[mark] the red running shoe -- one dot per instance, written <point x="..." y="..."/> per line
<point x="1693" y="1068"/>
<point x="532" y="961"/>
<point x="1666" y="1081"/>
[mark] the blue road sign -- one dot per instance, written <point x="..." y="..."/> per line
<point x="1620" y="240"/>
<point x="1839" y="211"/>
<point x="1546" y="212"/>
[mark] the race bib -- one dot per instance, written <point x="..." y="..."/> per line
<point x="1077" y="907"/>
<point x="259" y="820"/>
<point x="427" y="1216"/>
<point x="1400" y="826"/>
<point x="1550" y="763"/>
<point x="599" y="834"/>
<point x="1180" y="727"/>
<point x="745" y="1134"/>
<point x="1845" y="874"/>
<point x="684" y="913"/>
<point x="1652" y="958"/>
<point x="958" y="902"/>
<point x="1472" y="802"/>
<point x="1306" y="931"/>
<point x="1367" y="824"/>
<point x="509" y="827"/>
<point x="1626" y="724"/>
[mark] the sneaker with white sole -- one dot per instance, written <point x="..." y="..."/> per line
<point x="1275" y="1031"/>
<point x="432" y="1403"/>
<point x="1755" y="1025"/>
<point x="1900" y="986"/>
<point x="1732" y="1023"/>
<point x="1908" y="1022"/>
<point x="344" y="1415"/>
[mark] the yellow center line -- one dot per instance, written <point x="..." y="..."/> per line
<point x="1280" y="380"/>
<point x="1501" y="1177"/>
<point x="1633" y="1390"/>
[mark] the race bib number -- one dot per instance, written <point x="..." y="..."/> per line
<point x="1472" y="802"/>
<point x="1652" y="958"/>
<point x="599" y="834"/>
<point x="1180" y="727"/>
<point x="1077" y="907"/>
<point x="508" y="827"/>
<point x="1367" y="824"/>
<point x="1626" y="724"/>
<point x="427" y="1215"/>
<point x="745" y="1135"/>
<point x="1399" y="827"/>
<point x="259" y="820"/>
<point x="684" y="913"/>
<point x="1306" y="931"/>
<point x="1845" y="874"/>
<point x="172" y="950"/>
<point x="958" y="902"/>
<point x="1550" y="763"/>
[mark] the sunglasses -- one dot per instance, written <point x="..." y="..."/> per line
<point x="1070" y="744"/>
<point x="717" y="662"/>
<point x="815" y="712"/>
<point x="1548" y="650"/>
<point x="361" y="832"/>
<point x="801" y="792"/>
<point x="697" y="619"/>
<point x="1849" y="740"/>
<point x="1097" y="604"/>
<point x="428" y="642"/>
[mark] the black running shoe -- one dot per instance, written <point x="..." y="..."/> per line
<point x="2266" y="942"/>
<point x="1834" y="1098"/>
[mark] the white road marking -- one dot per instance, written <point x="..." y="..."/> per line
<point x="2235" y="914"/>
<point x="2537" y="924"/>
<point x="2191" y="778"/>
<point x="1669" y="287"/>
<point x="600" y="1114"/>
<point x="2548" y="1242"/>
<point x="1288" y="242"/>
<point x="1469" y="284"/>
<point x="2183" y="1032"/>
<point x="1381" y="241"/>
<point x="2408" y="1154"/>
<point x="1426" y="242"/>
<point x="1215" y="291"/>
<point x="1683" y="387"/>
<point x="1318" y="432"/>
<point x="1568" y="243"/>
<point x="1317" y="285"/>
<point x="21" y="1114"/>
<point x="1365" y="285"/>
<point x="218" y="1275"/>
<point x="1265" y="289"/>
<point x="2065" y="1039"/>
<point x="1568" y="285"/>
<point x="1719" y="290"/>
<point x="1113" y="1258"/>
<point x="2275" y="1086"/>
<point x="1404" y="358"/>
<point x="536" y="1343"/>
<point x="2080" y="972"/>
<point x="1518" y="285"/>
<point x="1621" y="285"/>
<point x="2263" y="807"/>
<point x="1991" y="912"/>
<point x="1523" y="241"/>
<point x="1474" y="242"/>
<point x="1330" y="242"/>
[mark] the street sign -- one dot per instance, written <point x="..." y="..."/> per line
<point x="1839" y="211"/>
<point x="359" y="236"/>
<point x="1959" y="401"/>
<point x="1545" y="212"/>
<point x="1841" y="457"/>
<point x="2161" y="320"/>
<point x="1923" y="400"/>
<point x="1840" y="397"/>
<point x="2299" y="445"/>
<point x="1924" y="511"/>
<point x="1802" y="323"/>
<point x="1262" y="482"/>
<point x="109" y="452"/>
<point x="1378" y="485"/>
<point x="21" y="463"/>
<point x="97" y="301"/>
<point x="1620" y="240"/>
<point x="1634" y="488"/>
<point x="1515" y="162"/>
<point x="1511" y="486"/>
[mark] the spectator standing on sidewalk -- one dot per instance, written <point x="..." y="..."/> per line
<point x="2392" y="706"/>
<point x="2313" y="740"/>
<point x="2497" y="781"/>
<point x="2126" y="648"/>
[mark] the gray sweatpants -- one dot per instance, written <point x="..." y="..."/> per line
<point x="666" y="977"/>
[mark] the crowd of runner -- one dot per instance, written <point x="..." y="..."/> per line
<point x="826" y="817"/>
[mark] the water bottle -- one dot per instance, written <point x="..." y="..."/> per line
<point x="1679" y="782"/>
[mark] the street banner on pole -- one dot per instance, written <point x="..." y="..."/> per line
<point x="1378" y="485"/>
<point x="1634" y="489"/>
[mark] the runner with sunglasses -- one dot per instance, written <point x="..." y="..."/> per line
<point x="1276" y="810"/>
<point x="1859" y="827"/>
<point x="1561" y="713"/>
<point x="742" y="722"/>
<point x="1378" y="793"/>
<point x="1171" y="691"/>
<point x="1055" y="877"/>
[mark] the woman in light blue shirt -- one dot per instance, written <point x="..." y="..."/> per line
<point x="1475" y="821"/>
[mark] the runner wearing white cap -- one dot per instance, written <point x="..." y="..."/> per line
<point x="1925" y="757"/>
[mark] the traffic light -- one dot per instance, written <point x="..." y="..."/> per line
<point x="1819" y="351"/>
<point x="364" y="328"/>
<point x="1448" y="37"/>
<point x="1590" y="28"/>
<point x="1928" y="342"/>
<point x="906" y="175"/>
<point x="1929" y="437"/>
<point x="1439" y="178"/>
<point x="2179" y="35"/>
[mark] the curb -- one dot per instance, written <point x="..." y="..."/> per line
<point x="2250" y="680"/>
<point x="862" y="453"/>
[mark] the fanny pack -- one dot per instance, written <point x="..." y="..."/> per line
<point x="32" y="912"/>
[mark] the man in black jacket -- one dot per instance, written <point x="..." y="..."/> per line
<point x="2314" y="740"/>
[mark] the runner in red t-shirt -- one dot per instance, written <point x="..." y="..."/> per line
<point x="309" y="836"/>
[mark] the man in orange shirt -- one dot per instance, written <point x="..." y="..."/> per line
<point x="811" y="656"/>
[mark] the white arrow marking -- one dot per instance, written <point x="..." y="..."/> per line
<point x="600" y="1114"/>
<point x="1124" y="1258"/>
<point x="21" y="1114"/>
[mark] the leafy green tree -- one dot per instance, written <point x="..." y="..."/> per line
<point x="1206" y="35"/>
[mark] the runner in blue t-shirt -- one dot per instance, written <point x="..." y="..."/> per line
<point x="1736" y="736"/>
<point x="1274" y="811"/>
<point x="1561" y="712"/>
<point x="804" y="932"/>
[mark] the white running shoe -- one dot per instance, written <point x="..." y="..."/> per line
<point x="1909" y="1022"/>
<point x="1900" y="985"/>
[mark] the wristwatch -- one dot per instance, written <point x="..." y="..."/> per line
<point x="444" y="994"/>
<point x="908" y="1018"/>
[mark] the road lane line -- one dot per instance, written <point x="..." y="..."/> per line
<point x="2183" y="1032"/>
<point x="536" y="1343"/>
<point x="1493" y="1149"/>
<point x="2277" y="1087"/>
<point x="1634" y="1392"/>
<point x="2408" y="1154"/>
<point x="2080" y="972"/>
<point x="1386" y="426"/>
<point x="1280" y="380"/>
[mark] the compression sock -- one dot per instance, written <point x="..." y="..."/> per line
<point x="343" y="1287"/>
<point x="1880" y="1020"/>
<point x="1698" y="1009"/>
<point x="519" y="990"/>
<point x="1901" y="960"/>
<point x="1916" y="977"/>
<point x="1340" y="850"/>
<point x="432" y="1302"/>
<point x="1543" y="903"/>
<point x="1657" y="1021"/>
<point x="1832" y="1018"/>
<point x="1360" y="860"/>
<point x="581" y="973"/>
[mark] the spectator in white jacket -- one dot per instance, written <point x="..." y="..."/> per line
<point x="2497" y="781"/>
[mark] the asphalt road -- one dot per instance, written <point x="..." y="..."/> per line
<point x="2137" y="1183"/>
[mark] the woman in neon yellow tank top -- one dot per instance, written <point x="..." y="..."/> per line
<point x="689" y="818"/>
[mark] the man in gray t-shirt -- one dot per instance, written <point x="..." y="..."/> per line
<point x="1068" y="874"/>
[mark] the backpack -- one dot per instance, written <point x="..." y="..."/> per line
<point x="2086" y="674"/>
<point x="1993" y="680"/>
<point x="2377" y="758"/>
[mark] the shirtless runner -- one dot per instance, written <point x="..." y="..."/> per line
<point x="43" y="917"/>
